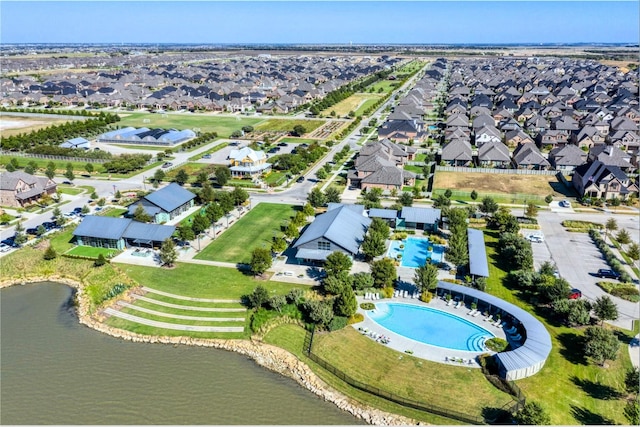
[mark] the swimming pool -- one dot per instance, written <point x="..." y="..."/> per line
<point x="430" y="326"/>
<point x="415" y="252"/>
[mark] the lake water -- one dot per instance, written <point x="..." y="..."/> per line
<point x="56" y="371"/>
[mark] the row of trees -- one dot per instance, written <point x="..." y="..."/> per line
<point x="84" y="113"/>
<point x="126" y="163"/>
<point x="317" y="198"/>
<point x="295" y="163"/>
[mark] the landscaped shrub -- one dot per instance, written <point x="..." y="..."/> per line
<point x="399" y="236"/>
<point x="367" y="306"/>
<point x="116" y="290"/>
<point x="581" y="225"/>
<point x="356" y="318"/>
<point x="622" y="290"/>
<point x="609" y="256"/>
<point x="496" y="344"/>
<point x="387" y="292"/>
<point x="337" y="323"/>
<point x="426" y="297"/>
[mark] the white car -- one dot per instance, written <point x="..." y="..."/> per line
<point x="564" y="204"/>
<point x="4" y="247"/>
<point x="535" y="239"/>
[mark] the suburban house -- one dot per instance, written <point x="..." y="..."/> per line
<point x="248" y="162"/>
<point x="567" y="158"/>
<point x="494" y="154"/>
<point x="413" y="218"/>
<point x="457" y="152"/>
<point x="18" y="188"/>
<point x="379" y="165"/>
<point x="131" y="135"/>
<point x="120" y="233"/>
<point x="340" y="229"/>
<point x="611" y="155"/>
<point x="527" y="156"/>
<point x="595" y="179"/>
<point x="165" y="204"/>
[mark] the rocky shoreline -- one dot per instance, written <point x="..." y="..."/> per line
<point x="271" y="357"/>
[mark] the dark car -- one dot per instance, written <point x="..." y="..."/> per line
<point x="10" y="241"/>
<point x="301" y="179"/>
<point x="32" y="231"/>
<point x="609" y="274"/>
<point x="49" y="225"/>
<point x="282" y="144"/>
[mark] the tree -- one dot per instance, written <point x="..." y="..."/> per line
<point x="236" y="134"/>
<point x="380" y="226"/>
<point x="345" y="304"/>
<point x="213" y="212"/>
<point x="181" y="177"/>
<point x="279" y="245"/>
<point x="85" y="210"/>
<point x="292" y="230"/>
<point x="168" y="253"/>
<point x="488" y="206"/>
<point x="321" y="174"/>
<point x="633" y="251"/>
<point x="101" y="202"/>
<point x="225" y="201"/>
<point x="632" y="380"/>
<point x="141" y="215"/>
<point x="532" y="414"/>
<point x="159" y="175"/>
<point x="600" y="344"/>
<point x="94" y="195"/>
<point x="320" y="312"/>
<point x="611" y="225"/>
<point x="373" y="245"/>
<point x="531" y="211"/>
<point x="548" y="198"/>
<point x="426" y="277"/>
<point x="239" y="195"/>
<point x="20" y="236"/>
<point x="371" y="198"/>
<point x="199" y="224"/>
<point x="89" y="167"/>
<point x="185" y="233"/>
<point x="299" y="130"/>
<point x="448" y="193"/>
<point x="206" y="194"/>
<point x="405" y="199"/>
<point x="362" y="280"/>
<point x="308" y="210"/>
<point x="69" y="172"/>
<point x="201" y="178"/>
<point x="50" y="253"/>
<point x="40" y="230"/>
<point x="316" y="198"/>
<point x="623" y="237"/>
<point x="31" y="168"/>
<point x="441" y="201"/>
<point x="50" y="172"/>
<point x="336" y="283"/>
<point x="223" y="174"/>
<point x="615" y="202"/>
<point x="337" y="262"/>
<point x="332" y="195"/>
<point x="605" y="309"/>
<point x="247" y="129"/>
<point x="505" y="222"/>
<point x="277" y="302"/>
<point x="383" y="272"/>
<point x="474" y="195"/>
<point x="260" y="261"/>
<point x="258" y="298"/>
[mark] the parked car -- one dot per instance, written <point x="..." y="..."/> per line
<point x="49" y="225"/>
<point x="575" y="293"/>
<point x="300" y="179"/>
<point x="167" y="165"/>
<point x="533" y="238"/>
<point x="609" y="274"/>
<point x="564" y="204"/>
<point x="10" y="241"/>
<point x="32" y="231"/>
<point x="77" y="210"/>
<point x="4" y="247"/>
<point x="282" y="144"/>
<point x="206" y="156"/>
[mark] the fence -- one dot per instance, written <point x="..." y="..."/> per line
<point x="52" y="157"/>
<point x="515" y="198"/>
<point x="422" y="406"/>
<point x="497" y="171"/>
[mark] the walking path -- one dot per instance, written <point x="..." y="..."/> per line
<point x="164" y="325"/>
<point x="634" y="351"/>
<point x="178" y="316"/>
<point x="167" y="294"/>
<point x="189" y="307"/>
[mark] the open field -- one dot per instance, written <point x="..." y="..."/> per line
<point x="224" y="126"/>
<point x="571" y="389"/>
<point x="286" y="125"/>
<point x="15" y="125"/>
<point x="294" y="140"/>
<point x="256" y="229"/>
<point x="352" y="103"/>
<point x="386" y="86"/>
<point x="537" y="185"/>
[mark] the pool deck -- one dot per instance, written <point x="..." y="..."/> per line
<point x="401" y="343"/>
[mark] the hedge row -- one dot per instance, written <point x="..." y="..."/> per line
<point x="609" y="256"/>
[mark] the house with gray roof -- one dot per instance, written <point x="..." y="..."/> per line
<point x="567" y="158"/>
<point x="457" y="153"/>
<point x="494" y="154"/>
<point x="18" y="189"/>
<point x="527" y="156"/>
<point x="611" y="155"/>
<point x="79" y="143"/>
<point x="120" y="233"/>
<point x="340" y="229"/>
<point x="597" y="180"/>
<point x="164" y="204"/>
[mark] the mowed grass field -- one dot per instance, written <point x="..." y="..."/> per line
<point x="538" y="185"/>
<point x="15" y="125"/>
<point x="287" y="125"/>
<point x="224" y="126"/>
<point x="256" y="229"/>
<point x="450" y="387"/>
<point x="352" y="103"/>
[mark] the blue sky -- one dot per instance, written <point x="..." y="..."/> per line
<point x="319" y="22"/>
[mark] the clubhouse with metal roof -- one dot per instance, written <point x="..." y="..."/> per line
<point x="524" y="360"/>
<point x="120" y="233"/>
<point x="157" y="136"/>
<point x="164" y="204"/>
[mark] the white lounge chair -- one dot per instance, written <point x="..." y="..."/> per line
<point x="472" y="312"/>
<point x="497" y="323"/>
<point x="489" y="318"/>
<point x="377" y="295"/>
<point x="477" y="313"/>
<point x="449" y="302"/>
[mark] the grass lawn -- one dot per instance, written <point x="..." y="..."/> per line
<point x="293" y="140"/>
<point x="74" y="191"/>
<point x="112" y="212"/>
<point x="571" y="389"/>
<point x="276" y="177"/>
<point x="414" y="169"/>
<point x="202" y="281"/>
<point x="537" y="185"/>
<point x="224" y="126"/>
<point x="386" y="85"/>
<point x="287" y="125"/>
<point x="191" y="168"/>
<point x="352" y="103"/>
<point x="218" y="147"/>
<point x="90" y="251"/>
<point x="408" y="376"/>
<point x="255" y="229"/>
<point x="150" y="330"/>
<point x="61" y="240"/>
<point x="60" y="165"/>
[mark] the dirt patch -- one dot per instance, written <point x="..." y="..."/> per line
<point x="495" y="183"/>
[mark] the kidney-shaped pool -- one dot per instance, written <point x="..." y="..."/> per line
<point x="430" y="326"/>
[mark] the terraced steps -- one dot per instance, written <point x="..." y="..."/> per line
<point x="164" y="325"/>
